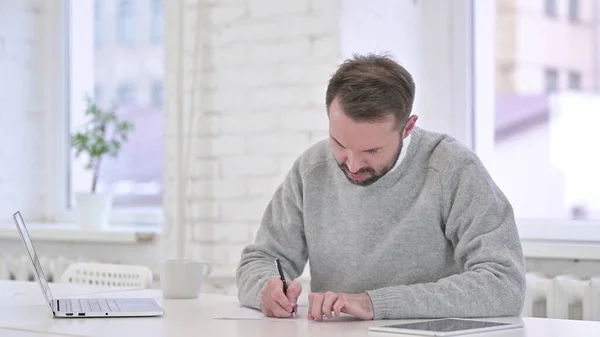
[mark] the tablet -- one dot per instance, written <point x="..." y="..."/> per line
<point x="445" y="327"/>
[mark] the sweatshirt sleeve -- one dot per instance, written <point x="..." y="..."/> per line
<point x="280" y="235"/>
<point x="481" y="226"/>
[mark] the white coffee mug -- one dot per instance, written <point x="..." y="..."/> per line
<point x="182" y="278"/>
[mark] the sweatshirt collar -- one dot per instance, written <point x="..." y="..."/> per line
<point x="403" y="152"/>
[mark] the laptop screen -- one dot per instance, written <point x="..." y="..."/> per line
<point x="33" y="256"/>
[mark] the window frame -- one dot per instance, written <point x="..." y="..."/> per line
<point x="57" y="148"/>
<point x="552" y="238"/>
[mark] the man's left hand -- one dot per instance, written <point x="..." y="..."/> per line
<point x="331" y="304"/>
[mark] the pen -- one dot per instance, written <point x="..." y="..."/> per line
<point x="282" y="277"/>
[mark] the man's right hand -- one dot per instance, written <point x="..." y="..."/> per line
<point x="274" y="303"/>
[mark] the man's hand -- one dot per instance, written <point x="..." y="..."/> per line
<point x="274" y="303"/>
<point x="331" y="304"/>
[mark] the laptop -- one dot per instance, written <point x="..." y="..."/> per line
<point x="89" y="307"/>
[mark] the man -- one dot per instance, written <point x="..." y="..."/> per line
<point x="397" y="222"/>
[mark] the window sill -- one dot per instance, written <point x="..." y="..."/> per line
<point x="69" y="232"/>
<point x="560" y="239"/>
<point x="564" y="250"/>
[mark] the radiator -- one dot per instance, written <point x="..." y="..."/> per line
<point x="13" y="267"/>
<point x="18" y="267"/>
<point x="562" y="297"/>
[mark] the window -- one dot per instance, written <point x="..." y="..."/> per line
<point x="574" y="80"/>
<point x="157" y="94"/>
<point x="550" y="8"/>
<point x="98" y="22"/>
<point x="544" y="140"/>
<point x="574" y="10"/>
<point x="125" y="22"/>
<point x="551" y="79"/>
<point x="157" y="30"/>
<point x="135" y="176"/>
<point x="125" y="94"/>
<point x="98" y="95"/>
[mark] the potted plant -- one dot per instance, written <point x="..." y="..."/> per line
<point x="101" y="135"/>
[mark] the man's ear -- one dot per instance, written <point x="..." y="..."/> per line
<point x="410" y="124"/>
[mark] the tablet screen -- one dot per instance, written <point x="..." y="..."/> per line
<point x="447" y="325"/>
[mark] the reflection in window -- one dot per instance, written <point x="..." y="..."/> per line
<point x="574" y="10"/>
<point x="157" y="94"/>
<point x="550" y="8"/>
<point x="551" y="78"/>
<point x="125" y="94"/>
<point x="97" y="23"/>
<point x="574" y="80"/>
<point x="125" y="24"/>
<point x="157" y="29"/>
<point x="544" y="135"/>
<point x="129" y="74"/>
<point x="98" y="95"/>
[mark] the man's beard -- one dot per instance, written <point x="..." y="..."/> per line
<point x="374" y="175"/>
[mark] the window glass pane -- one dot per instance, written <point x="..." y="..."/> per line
<point x="574" y="80"/>
<point x="550" y="8"/>
<point x="125" y="22"/>
<point x="551" y="78"/>
<point x="157" y="30"/>
<point x="98" y="22"/>
<point x="157" y="93"/>
<point x="573" y="10"/>
<point x="126" y="77"/>
<point x="126" y="94"/>
<point x="545" y="145"/>
<point x="98" y="95"/>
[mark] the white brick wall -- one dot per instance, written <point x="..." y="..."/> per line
<point x="22" y="154"/>
<point x="266" y="66"/>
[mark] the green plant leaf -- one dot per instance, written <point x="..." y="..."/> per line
<point x="102" y="134"/>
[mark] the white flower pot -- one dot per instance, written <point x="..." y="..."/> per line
<point x="92" y="210"/>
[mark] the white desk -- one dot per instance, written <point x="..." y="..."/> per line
<point x="25" y="333"/>
<point x="23" y="313"/>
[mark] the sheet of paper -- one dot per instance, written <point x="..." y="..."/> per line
<point x="243" y="313"/>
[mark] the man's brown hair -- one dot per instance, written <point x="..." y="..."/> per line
<point x="372" y="87"/>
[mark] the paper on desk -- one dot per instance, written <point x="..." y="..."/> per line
<point x="244" y="313"/>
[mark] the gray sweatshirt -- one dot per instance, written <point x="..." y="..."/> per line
<point x="435" y="237"/>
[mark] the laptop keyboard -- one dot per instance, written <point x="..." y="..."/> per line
<point x="92" y="305"/>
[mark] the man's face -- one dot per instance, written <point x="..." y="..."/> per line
<point x="364" y="151"/>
